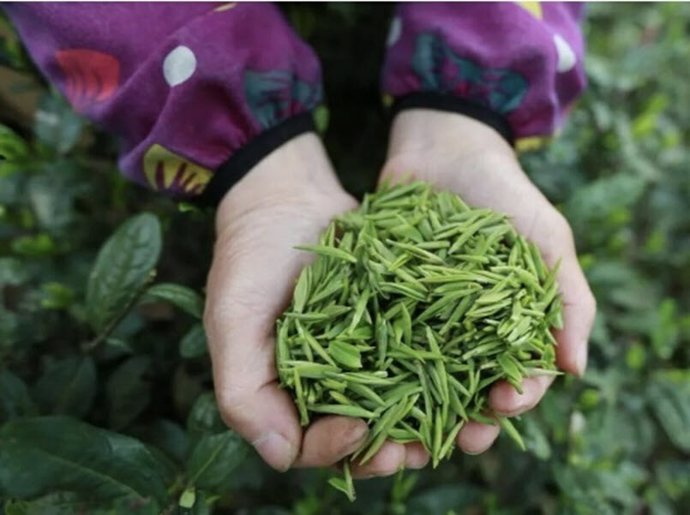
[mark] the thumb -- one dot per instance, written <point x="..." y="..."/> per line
<point x="239" y="319"/>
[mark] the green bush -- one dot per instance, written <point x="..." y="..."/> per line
<point x="106" y="401"/>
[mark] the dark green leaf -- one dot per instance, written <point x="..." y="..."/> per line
<point x="12" y="271"/>
<point x="193" y="344"/>
<point x="669" y="398"/>
<point x="204" y="417"/>
<point x="165" y="435"/>
<point x="71" y="504"/>
<point x="14" y="397"/>
<point x="123" y="266"/>
<point x="128" y="391"/>
<point x="68" y="386"/>
<point x="214" y="459"/>
<point x="74" y="456"/>
<point x="52" y="197"/>
<point x="535" y="439"/>
<point x="674" y="478"/>
<point x="442" y="499"/>
<point x="12" y="147"/>
<point x="180" y="296"/>
<point x="57" y="125"/>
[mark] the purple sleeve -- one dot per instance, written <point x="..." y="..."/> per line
<point x="199" y="92"/>
<point x="517" y="66"/>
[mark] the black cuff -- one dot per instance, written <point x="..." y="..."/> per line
<point x="442" y="102"/>
<point x="247" y="157"/>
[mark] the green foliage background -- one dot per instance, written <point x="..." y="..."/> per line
<point x="106" y="402"/>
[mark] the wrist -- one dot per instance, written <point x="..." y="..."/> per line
<point x="422" y="136"/>
<point x="298" y="173"/>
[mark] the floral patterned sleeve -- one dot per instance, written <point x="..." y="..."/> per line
<point x="517" y="66"/>
<point x="199" y="92"/>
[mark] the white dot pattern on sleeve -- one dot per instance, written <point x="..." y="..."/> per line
<point x="566" y="55"/>
<point x="179" y="65"/>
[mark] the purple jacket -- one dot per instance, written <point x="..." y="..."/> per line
<point x="200" y="92"/>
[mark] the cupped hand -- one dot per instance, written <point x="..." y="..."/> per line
<point x="288" y="199"/>
<point x="460" y="154"/>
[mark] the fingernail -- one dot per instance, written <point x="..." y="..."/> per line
<point x="581" y="359"/>
<point x="276" y="450"/>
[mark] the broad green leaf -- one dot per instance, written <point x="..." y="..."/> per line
<point x="53" y="504"/>
<point x="535" y="439"/>
<point x="11" y="51"/>
<point x="580" y="489"/>
<point x="668" y="395"/>
<point x="56" y="296"/>
<point x="204" y="417"/>
<point x="180" y="296"/>
<point x="214" y="459"/>
<point x="56" y="125"/>
<point x="67" y="386"/>
<point x="34" y="245"/>
<point x="165" y="435"/>
<point x="71" y="504"/>
<point x="193" y="344"/>
<point x="12" y="271"/>
<point x="440" y="499"/>
<point x="15" y="400"/>
<point x="12" y="147"/>
<point x="9" y="329"/>
<point x="616" y="487"/>
<point x="665" y="329"/>
<point x="674" y="478"/>
<point x="51" y="198"/>
<point x="115" y="348"/>
<point x="43" y="455"/>
<point x="128" y="391"/>
<point x="123" y="266"/>
<point x="658" y="503"/>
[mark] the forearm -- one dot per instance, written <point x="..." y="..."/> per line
<point x="516" y="69"/>
<point x="198" y="92"/>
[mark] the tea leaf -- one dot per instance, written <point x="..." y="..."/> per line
<point x="510" y="430"/>
<point x="323" y="250"/>
<point x="442" y="302"/>
<point x="338" y="409"/>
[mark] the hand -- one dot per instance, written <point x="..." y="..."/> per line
<point x="288" y="199"/>
<point x="463" y="155"/>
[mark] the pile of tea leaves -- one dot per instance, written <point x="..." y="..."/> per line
<point x="414" y="306"/>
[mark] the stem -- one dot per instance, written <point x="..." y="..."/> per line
<point x="112" y="325"/>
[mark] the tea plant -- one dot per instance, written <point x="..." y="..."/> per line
<point x="106" y="402"/>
